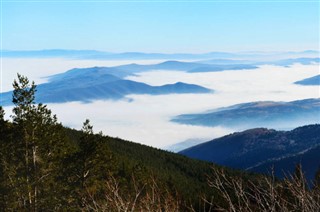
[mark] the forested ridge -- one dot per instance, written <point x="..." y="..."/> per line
<point x="45" y="166"/>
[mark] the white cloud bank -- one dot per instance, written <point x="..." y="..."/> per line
<point x="146" y="118"/>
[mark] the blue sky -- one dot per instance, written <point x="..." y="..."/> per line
<point x="161" y="26"/>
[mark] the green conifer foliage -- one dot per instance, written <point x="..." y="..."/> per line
<point x="91" y="165"/>
<point x="34" y="152"/>
<point x="3" y="161"/>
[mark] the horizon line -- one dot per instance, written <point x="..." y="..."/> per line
<point x="155" y="52"/>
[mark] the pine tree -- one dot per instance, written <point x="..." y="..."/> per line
<point x="93" y="164"/>
<point x="3" y="179"/>
<point x="1" y="114"/>
<point x="37" y="150"/>
<point x="88" y="148"/>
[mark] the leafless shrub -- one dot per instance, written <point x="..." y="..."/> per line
<point x="239" y="194"/>
<point x="146" y="197"/>
<point x="266" y="194"/>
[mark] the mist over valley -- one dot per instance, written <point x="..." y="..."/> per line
<point x="137" y="99"/>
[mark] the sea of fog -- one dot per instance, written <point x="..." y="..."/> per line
<point x="145" y="118"/>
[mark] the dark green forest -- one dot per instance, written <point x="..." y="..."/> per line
<point x="45" y="166"/>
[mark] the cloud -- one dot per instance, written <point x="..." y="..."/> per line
<point x="232" y="87"/>
<point x="133" y="121"/>
<point x="146" y="118"/>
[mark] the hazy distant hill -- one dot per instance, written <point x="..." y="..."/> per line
<point x="310" y="81"/>
<point x="258" y="114"/>
<point x="185" y="66"/>
<point x="256" y="62"/>
<point x="53" y="53"/>
<point x="258" y="149"/>
<point x="101" y="55"/>
<point x="291" y="61"/>
<point x="87" y="84"/>
<point x="99" y="83"/>
<point x="177" y="147"/>
<point x="49" y="93"/>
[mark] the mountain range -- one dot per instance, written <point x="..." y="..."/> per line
<point x="253" y="114"/>
<point x="291" y="61"/>
<point x="183" y="66"/>
<point x="260" y="149"/>
<point x="282" y="62"/>
<point x="88" y="84"/>
<point x="96" y="83"/>
<point x="102" y="55"/>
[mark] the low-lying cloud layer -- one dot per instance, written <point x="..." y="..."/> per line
<point x="145" y="118"/>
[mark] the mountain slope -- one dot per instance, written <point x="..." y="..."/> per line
<point x="174" y="172"/>
<point x="252" y="148"/>
<point x="315" y="80"/>
<point x="59" y="92"/>
<point x="99" y="83"/>
<point x="308" y="159"/>
<point x="253" y="114"/>
<point x="87" y="84"/>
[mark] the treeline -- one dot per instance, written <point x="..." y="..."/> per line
<point x="47" y="167"/>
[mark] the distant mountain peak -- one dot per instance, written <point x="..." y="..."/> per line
<point x="96" y="83"/>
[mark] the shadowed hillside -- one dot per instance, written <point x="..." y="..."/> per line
<point x="259" y="149"/>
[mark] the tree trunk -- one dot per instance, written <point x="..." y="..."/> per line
<point x="27" y="169"/>
<point x="34" y="155"/>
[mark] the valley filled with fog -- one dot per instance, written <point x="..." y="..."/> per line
<point x="146" y="118"/>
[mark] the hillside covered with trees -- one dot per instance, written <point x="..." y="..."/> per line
<point x="45" y="166"/>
